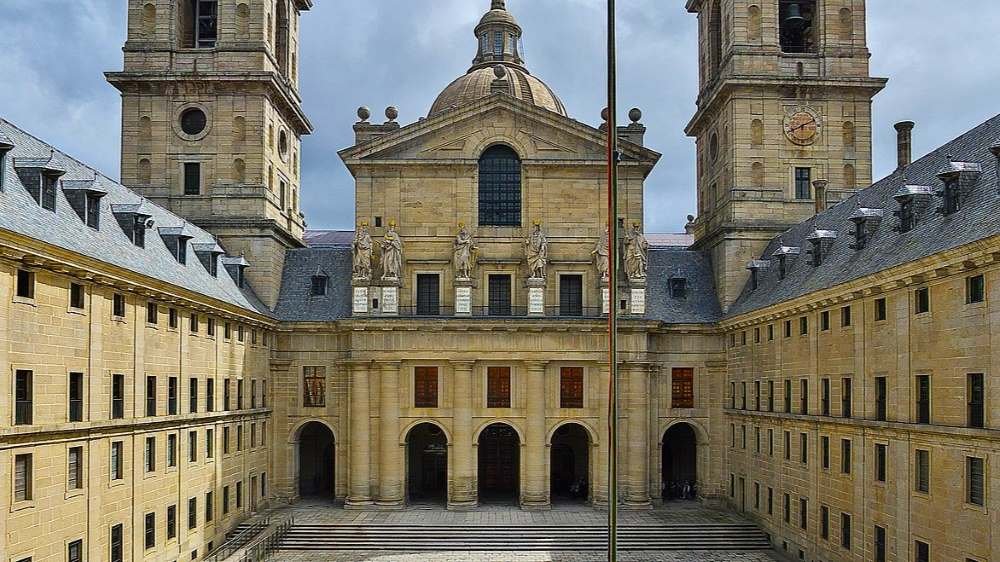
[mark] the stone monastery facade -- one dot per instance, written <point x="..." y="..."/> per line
<point x="817" y="352"/>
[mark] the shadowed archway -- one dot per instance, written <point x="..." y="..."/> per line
<point x="569" y="467"/>
<point x="499" y="464"/>
<point x="427" y="465"/>
<point x="679" y="466"/>
<point x="316" y="461"/>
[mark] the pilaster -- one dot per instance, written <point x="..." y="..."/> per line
<point x="359" y="493"/>
<point x="391" y="464"/>
<point x="535" y="494"/>
<point x="463" y="493"/>
<point x="636" y="475"/>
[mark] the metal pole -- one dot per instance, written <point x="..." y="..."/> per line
<point x="612" y="123"/>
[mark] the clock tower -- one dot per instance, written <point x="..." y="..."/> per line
<point x="784" y="101"/>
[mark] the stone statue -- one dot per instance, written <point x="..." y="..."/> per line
<point x="602" y="255"/>
<point x="362" y="250"/>
<point x="536" y="249"/>
<point x="465" y="253"/>
<point x="392" y="254"/>
<point x="636" y="254"/>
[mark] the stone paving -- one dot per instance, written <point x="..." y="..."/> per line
<point x="325" y="513"/>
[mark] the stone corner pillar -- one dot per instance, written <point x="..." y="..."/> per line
<point x="463" y="493"/>
<point x="359" y="494"/>
<point x="535" y="495"/>
<point x="390" y="454"/>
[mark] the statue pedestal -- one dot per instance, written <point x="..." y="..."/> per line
<point x="463" y="297"/>
<point x="637" y="297"/>
<point x="536" y="296"/>
<point x="605" y="297"/>
<point x="390" y="299"/>
<point x="360" y="297"/>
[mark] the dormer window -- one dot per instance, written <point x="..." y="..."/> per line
<point x="958" y="179"/>
<point x="176" y="239"/>
<point x="181" y="250"/>
<point x="209" y="254"/>
<point x="133" y="222"/>
<point x="5" y="146"/>
<point x="782" y="255"/>
<point x="236" y="266"/>
<point x="911" y="198"/>
<point x="865" y="222"/>
<point x="50" y="183"/>
<point x="319" y="283"/>
<point x="907" y="216"/>
<point x="85" y="198"/>
<point x="755" y="268"/>
<point x="139" y="231"/>
<point x="678" y="288"/>
<point x="951" y="195"/>
<point x="821" y="240"/>
<point x="40" y="176"/>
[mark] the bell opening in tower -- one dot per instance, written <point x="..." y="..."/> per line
<point x="797" y="26"/>
<point x="199" y="23"/>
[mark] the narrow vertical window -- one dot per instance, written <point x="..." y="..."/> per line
<point x="571" y="295"/>
<point x="23" y="478"/>
<point x="74" y="470"/>
<point x="23" y="397"/>
<point x="76" y="397"/>
<point x="498" y="387"/>
<point x="845" y="456"/>
<point x="172" y="396"/>
<point x="425" y="387"/>
<point x="74" y="551"/>
<point x="845" y="530"/>
<point x="150" y="454"/>
<point x="923" y="405"/>
<point x="117" y="543"/>
<point x="975" y="489"/>
<point x="922" y="551"/>
<point x="976" y="392"/>
<point x="428" y="294"/>
<point x="803" y="183"/>
<point x="880" y="310"/>
<point x="975" y="289"/>
<point x="499" y="297"/>
<point x="922" y="301"/>
<point x="25" y="284"/>
<point x="846" y="397"/>
<point x="682" y="387"/>
<point x="192" y="178"/>
<point x="172" y="450"/>
<point x="881" y="458"/>
<point x="314" y="386"/>
<point x="117" y="460"/>
<point x="571" y="387"/>
<point x="499" y="187"/>
<point x="149" y="531"/>
<point x="171" y="522"/>
<point x="922" y="468"/>
<point x="76" y="296"/>
<point x="881" y="398"/>
<point x="825" y="397"/>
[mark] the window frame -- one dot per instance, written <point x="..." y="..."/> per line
<point x="572" y="387"/>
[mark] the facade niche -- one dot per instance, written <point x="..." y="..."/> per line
<point x="797" y="26"/>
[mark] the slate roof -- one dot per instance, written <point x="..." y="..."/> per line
<point x="934" y="232"/>
<point x="318" y="238"/>
<point x="700" y="303"/>
<point x="63" y="228"/>
<point x="296" y="303"/>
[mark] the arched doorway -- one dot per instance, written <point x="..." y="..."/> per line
<point x="427" y="465"/>
<point x="679" y="466"/>
<point x="316" y="461"/>
<point x="569" y="466"/>
<point x="499" y="464"/>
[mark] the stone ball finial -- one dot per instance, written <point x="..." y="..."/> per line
<point x="635" y="114"/>
<point x="690" y="218"/>
<point x="498" y="5"/>
<point x="364" y="113"/>
<point x="391" y="113"/>
<point x="500" y="71"/>
<point x="605" y="114"/>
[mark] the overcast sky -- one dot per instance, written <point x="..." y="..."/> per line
<point x="940" y="56"/>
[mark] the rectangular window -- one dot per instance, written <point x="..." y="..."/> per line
<point x="428" y="294"/>
<point x="977" y="400"/>
<point x="171" y="522"/>
<point x="881" y="458"/>
<point x="23" y="397"/>
<point x="770" y="442"/>
<point x="209" y="507"/>
<point x="845" y="456"/>
<point x="314" y="387"/>
<point x="210" y="326"/>
<point x="824" y="403"/>
<point x="194" y="323"/>
<point x="788" y="328"/>
<point x="803" y="183"/>
<point x="770" y="332"/>
<point x="25" y="284"/>
<point x="922" y="551"/>
<point x="756" y="393"/>
<point x="922" y="467"/>
<point x="881" y="312"/>
<point x="117" y="396"/>
<point x="193" y="396"/>
<point x="498" y="387"/>
<point x="923" y="405"/>
<point x="571" y="387"/>
<point x="226" y="394"/>
<point x="743" y="395"/>
<point x="975" y="289"/>
<point x="845" y="530"/>
<point x="922" y="301"/>
<point x="74" y="470"/>
<point x="22" y="478"/>
<point x="803" y="513"/>
<point x="192" y="178"/>
<point x="149" y="530"/>
<point x="240" y="333"/>
<point x="500" y="289"/>
<point x="172" y="450"/>
<point x="770" y="396"/>
<point x="571" y="295"/>
<point x="788" y="445"/>
<point x="975" y="477"/>
<point x="209" y="443"/>
<point x="192" y="446"/>
<point x="824" y="320"/>
<point x="880" y="544"/>
<point x="804" y="396"/>
<point x="824" y="451"/>
<point x="239" y="437"/>
<point x="682" y="387"/>
<point x="150" y="454"/>
<point x="209" y="395"/>
<point x="788" y="397"/>
<point x="150" y="396"/>
<point x="117" y="541"/>
<point x="172" y="318"/>
<point x="787" y="505"/>
<point x="803" y="325"/>
<point x="225" y="500"/>
<point x="824" y="522"/>
<point x="881" y="398"/>
<point x="425" y="387"/>
<point x="118" y="305"/>
<point x="152" y="313"/>
<point x="50" y="185"/>
<point x="117" y="460"/>
<point x="227" y="331"/>
<point x="76" y="296"/>
<point x="225" y="440"/>
<point x="845" y="317"/>
<point x="253" y="394"/>
<point x="804" y="448"/>
<point x="770" y="500"/>
<point x="239" y="394"/>
<point x="172" y="396"/>
<point x="846" y="397"/>
<point x="239" y="495"/>
<point x="192" y="513"/>
<point x="74" y="551"/>
<point x="76" y="397"/>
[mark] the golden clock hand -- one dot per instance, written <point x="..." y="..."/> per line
<point x="802" y="125"/>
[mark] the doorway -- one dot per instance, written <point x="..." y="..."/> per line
<point x="427" y="465"/>
<point x="679" y="466"/>
<point x="499" y="465"/>
<point x="316" y="461"/>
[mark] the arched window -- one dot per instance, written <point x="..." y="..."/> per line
<point x="149" y="20"/>
<point x="243" y="20"/>
<point x="499" y="187"/>
<point x="846" y="24"/>
<point x="145" y="128"/>
<point x="281" y="42"/>
<point x="757" y="132"/>
<point x="715" y="37"/>
<point x="753" y="23"/>
<point x="849" y="136"/>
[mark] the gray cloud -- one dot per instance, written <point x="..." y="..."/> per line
<point x="403" y="52"/>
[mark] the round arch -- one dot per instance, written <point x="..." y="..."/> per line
<point x="313" y="459"/>
<point x="570" y="459"/>
<point x="427" y="467"/>
<point x="409" y="427"/>
<point x="591" y="432"/>
<point x="295" y="433"/>
<point x="489" y="141"/>
<point x="688" y="467"/>
<point x="699" y="430"/>
<point x="503" y="421"/>
<point x="498" y="459"/>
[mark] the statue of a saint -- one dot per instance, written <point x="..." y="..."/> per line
<point x="601" y="255"/>
<point x="536" y="250"/>
<point x="362" y="250"/>
<point x="465" y="253"/>
<point x="636" y="254"/>
<point x="392" y="254"/>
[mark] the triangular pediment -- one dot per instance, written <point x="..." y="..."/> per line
<point x="463" y="133"/>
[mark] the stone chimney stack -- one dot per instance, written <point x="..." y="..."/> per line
<point x="904" y="143"/>
<point x="819" y="187"/>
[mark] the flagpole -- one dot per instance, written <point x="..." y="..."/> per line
<point x="612" y="131"/>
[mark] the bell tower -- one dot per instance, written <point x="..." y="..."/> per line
<point x="784" y="102"/>
<point x="212" y="121"/>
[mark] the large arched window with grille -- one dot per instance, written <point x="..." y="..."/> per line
<point x="499" y="187"/>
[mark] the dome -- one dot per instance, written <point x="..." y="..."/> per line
<point x="477" y="84"/>
<point x="498" y="67"/>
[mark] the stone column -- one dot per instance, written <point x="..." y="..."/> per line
<point x="603" y="449"/>
<point x="463" y="494"/>
<point x="637" y="441"/>
<point x="390" y="458"/>
<point x="359" y="495"/>
<point x="535" y="493"/>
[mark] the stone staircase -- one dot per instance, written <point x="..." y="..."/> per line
<point x="521" y="538"/>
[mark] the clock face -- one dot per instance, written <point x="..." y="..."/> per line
<point x="802" y="127"/>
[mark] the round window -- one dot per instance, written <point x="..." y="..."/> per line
<point x="283" y="144"/>
<point x="193" y="121"/>
<point x="713" y="147"/>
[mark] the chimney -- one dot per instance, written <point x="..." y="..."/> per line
<point x="819" y="186"/>
<point x="904" y="143"/>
